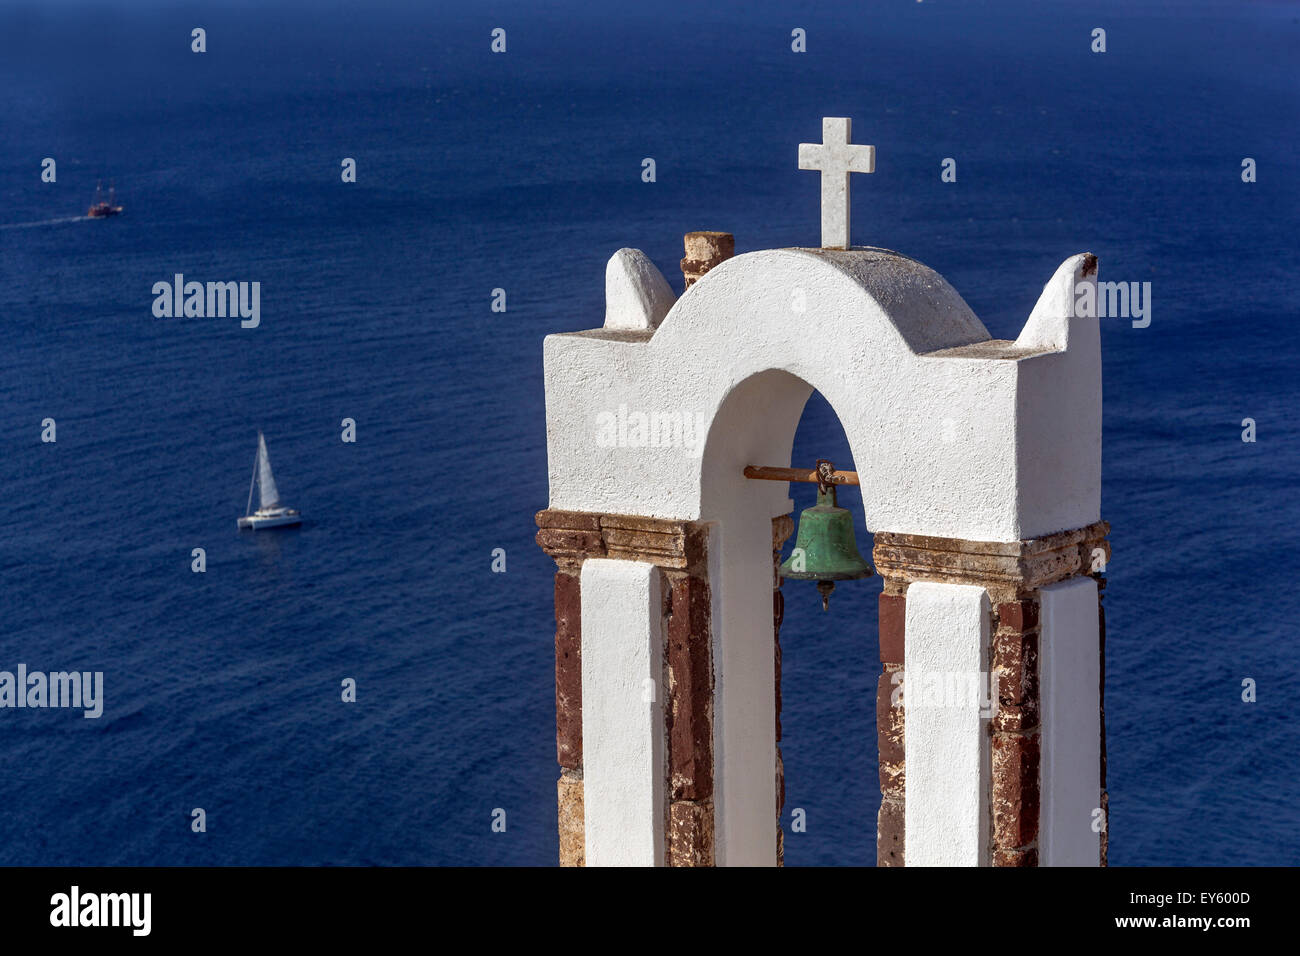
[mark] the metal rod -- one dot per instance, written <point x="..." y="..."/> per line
<point x="768" y="473"/>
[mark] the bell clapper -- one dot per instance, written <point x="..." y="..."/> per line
<point x="825" y="588"/>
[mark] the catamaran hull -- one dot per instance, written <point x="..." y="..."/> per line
<point x="256" y="522"/>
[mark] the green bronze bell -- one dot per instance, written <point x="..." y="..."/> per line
<point x="825" y="549"/>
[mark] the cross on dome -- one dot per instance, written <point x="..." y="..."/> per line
<point x="835" y="157"/>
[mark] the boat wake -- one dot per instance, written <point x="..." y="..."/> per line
<point x="42" y="222"/>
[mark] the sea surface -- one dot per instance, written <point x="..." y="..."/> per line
<point x="522" y="171"/>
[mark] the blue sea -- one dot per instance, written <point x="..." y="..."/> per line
<point x="522" y="171"/>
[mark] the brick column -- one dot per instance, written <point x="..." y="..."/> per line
<point x="889" y="724"/>
<point x="679" y="549"/>
<point x="1101" y="696"/>
<point x="1015" y="728"/>
<point x="569" y="543"/>
<point x="1012" y="574"/>
<point x="689" y="721"/>
<point x="782" y="528"/>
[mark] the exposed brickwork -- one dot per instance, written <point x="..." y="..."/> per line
<point x="1012" y="573"/>
<point x="778" y="614"/>
<point x="1015" y="760"/>
<point x="690" y="833"/>
<point x="1018" y="615"/>
<point x="680" y="549"/>
<point x="889" y="729"/>
<point x="1025" y="857"/>
<point x="1009" y="571"/>
<point x="1101" y="696"/>
<point x="571" y="537"/>
<point x="782" y="528"/>
<point x="893" y="780"/>
<point x="568" y="716"/>
<point x="889" y="833"/>
<point x="573" y="849"/>
<point x="1015" y="745"/>
<point x="704" y="250"/>
<point x="1015" y="667"/>
<point x="893" y="618"/>
<point x="568" y="670"/>
<point x="689" y="715"/>
<point x="1105" y="830"/>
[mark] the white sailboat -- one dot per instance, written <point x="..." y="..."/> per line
<point x="270" y="513"/>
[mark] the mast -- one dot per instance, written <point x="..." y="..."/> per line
<point x="248" y="508"/>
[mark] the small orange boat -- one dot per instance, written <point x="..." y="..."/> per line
<point x="101" y="209"/>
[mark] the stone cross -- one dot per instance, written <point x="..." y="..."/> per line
<point x="835" y="157"/>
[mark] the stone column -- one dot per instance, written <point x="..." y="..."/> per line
<point x="1013" y="575"/>
<point x="679" y="549"/>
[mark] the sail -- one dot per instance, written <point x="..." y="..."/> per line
<point x="269" y="495"/>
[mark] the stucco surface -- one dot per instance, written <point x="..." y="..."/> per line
<point x="946" y="744"/>
<point x="1070" y="668"/>
<point x="952" y="433"/>
<point x="622" y="713"/>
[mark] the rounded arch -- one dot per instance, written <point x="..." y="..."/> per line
<point x="755" y="424"/>
<point x="934" y="436"/>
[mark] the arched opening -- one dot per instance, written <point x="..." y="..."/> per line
<point x="829" y="662"/>
<point x="829" y="667"/>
